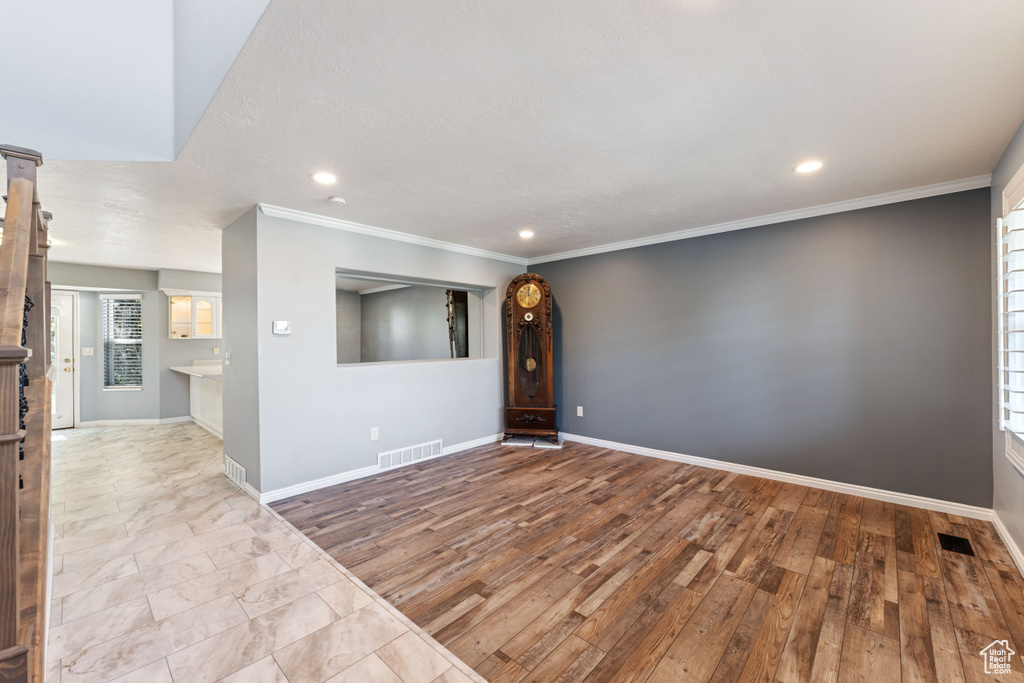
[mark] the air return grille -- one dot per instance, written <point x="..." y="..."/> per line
<point x="409" y="454"/>
<point x="235" y="472"/>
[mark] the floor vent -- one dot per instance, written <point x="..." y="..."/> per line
<point x="956" y="544"/>
<point x="234" y="471"/>
<point x="410" y="454"/>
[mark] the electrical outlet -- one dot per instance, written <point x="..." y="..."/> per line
<point x="579" y="411"/>
<point x="87" y="351"/>
<point x="374" y="434"/>
<point x="216" y="350"/>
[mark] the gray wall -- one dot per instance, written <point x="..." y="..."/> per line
<point x="348" y="312"/>
<point x="241" y="377"/>
<point x="315" y="415"/>
<point x="171" y="278"/>
<point x="97" y="403"/>
<point x="165" y="393"/>
<point x="852" y="347"/>
<point x="101" y="277"/>
<point x="1008" y="495"/>
<point x="404" y="324"/>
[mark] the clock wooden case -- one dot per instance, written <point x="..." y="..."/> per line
<point x="531" y="403"/>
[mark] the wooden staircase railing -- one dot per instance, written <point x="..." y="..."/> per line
<point x="24" y="423"/>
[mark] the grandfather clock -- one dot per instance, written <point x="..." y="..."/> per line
<point x="531" y="402"/>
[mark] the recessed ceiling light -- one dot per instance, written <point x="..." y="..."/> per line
<point x="336" y="200"/>
<point x="324" y="178"/>
<point x="808" y="167"/>
<point x="526" y="234"/>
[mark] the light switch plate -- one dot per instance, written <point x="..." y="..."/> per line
<point x="87" y="351"/>
<point x="282" y="327"/>
<point x="216" y="350"/>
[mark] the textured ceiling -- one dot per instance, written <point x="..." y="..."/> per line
<point x="589" y="121"/>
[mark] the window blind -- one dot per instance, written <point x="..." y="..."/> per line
<point x="1011" y="320"/>
<point x="122" y="340"/>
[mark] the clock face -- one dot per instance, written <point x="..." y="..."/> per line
<point x="528" y="295"/>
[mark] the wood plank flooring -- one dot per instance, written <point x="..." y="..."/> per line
<point x="586" y="564"/>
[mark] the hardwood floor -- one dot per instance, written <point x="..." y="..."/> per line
<point x="597" y="565"/>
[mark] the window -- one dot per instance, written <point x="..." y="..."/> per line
<point x="122" y="341"/>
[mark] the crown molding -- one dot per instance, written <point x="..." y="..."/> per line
<point x="359" y="228"/>
<point x="923" y="192"/>
<point x="770" y="219"/>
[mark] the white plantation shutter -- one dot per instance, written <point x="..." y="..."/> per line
<point x="122" y="340"/>
<point x="1011" y="320"/>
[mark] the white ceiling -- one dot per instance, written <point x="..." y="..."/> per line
<point x="115" y="80"/>
<point x="590" y="121"/>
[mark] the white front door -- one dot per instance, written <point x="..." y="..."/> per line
<point x="62" y="355"/>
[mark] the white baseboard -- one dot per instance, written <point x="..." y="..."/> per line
<point x="827" y="484"/>
<point x="307" y="486"/>
<point x="147" y="421"/>
<point x="209" y="426"/>
<point x="466" y="445"/>
<point x="251" y="492"/>
<point x="342" y="477"/>
<point x="1009" y="542"/>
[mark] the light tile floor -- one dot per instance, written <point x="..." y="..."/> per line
<point x="165" y="571"/>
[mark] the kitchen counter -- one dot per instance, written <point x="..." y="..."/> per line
<point x="205" y="371"/>
<point x="205" y="383"/>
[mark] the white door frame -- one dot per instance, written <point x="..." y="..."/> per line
<point x="77" y="355"/>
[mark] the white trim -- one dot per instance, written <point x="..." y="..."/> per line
<point x="145" y="421"/>
<point x="251" y="492"/>
<point x="475" y="443"/>
<point x="1015" y="459"/>
<point x="1013" y="191"/>
<point x="1011" y="545"/>
<point x="349" y="226"/>
<point x="133" y="387"/>
<point x="823" y="210"/>
<point x="827" y="484"/>
<point x="342" y="477"/>
<point x="76" y="358"/>
<point x="324" y="482"/>
<point x="209" y="426"/>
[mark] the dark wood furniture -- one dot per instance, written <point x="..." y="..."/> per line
<point x="531" y="402"/>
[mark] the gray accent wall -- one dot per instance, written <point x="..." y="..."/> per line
<point x="348" y="312"/>
<point x="853" y="347"/>
<point x="1008" y="495"/>
<point x="241" y="376"/>
<point x="315" y="415"/>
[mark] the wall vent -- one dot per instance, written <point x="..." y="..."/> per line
<point x="234" y="471"/>
<point x="410" y="454"/>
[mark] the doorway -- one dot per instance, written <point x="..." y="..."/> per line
<point x="63" y="330"/>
